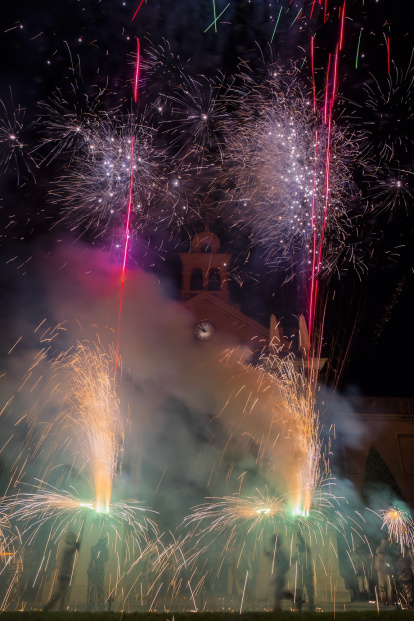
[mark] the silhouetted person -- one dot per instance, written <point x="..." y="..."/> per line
<point x="404" y="576"/>
<point x="306" y="569"/>
<point x="96" y="575"/>
<point x="61" y="593"/>
<point x="281" y="567"/>
<point x="385" y="570"/>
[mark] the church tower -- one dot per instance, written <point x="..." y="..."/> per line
<point x="205" y="268"/>
<point x="205" y="293"/>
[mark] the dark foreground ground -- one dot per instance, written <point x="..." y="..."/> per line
<point x="369" y="615"/>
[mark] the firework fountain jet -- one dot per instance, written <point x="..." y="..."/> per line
<point x="92" y="408"/>
<point x="298" y="402"/>
<point x="90" y="411"/>
<point x="280" y="424"/>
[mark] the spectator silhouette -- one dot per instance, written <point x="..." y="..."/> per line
<point x="96" y="575"/>
<point x="281" y="568"/>
<point x="306" y="569"/>
<point x="61" y="593"/>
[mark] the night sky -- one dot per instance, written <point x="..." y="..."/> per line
<point x="75" y="49"/>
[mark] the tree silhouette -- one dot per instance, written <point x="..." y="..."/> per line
<point x="379" y="487"/>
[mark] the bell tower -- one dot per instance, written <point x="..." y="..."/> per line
<point x="205" y="268"/>
<point x="205" y="293"/>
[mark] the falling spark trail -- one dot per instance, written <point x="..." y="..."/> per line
<point x="192" y="596"/>
<point x="277" y="21"/>
<point x="18" y="340"/>
<point x="155" y="597"/>
<point x="357" y="52"/>
<point x="296" y="18"/>
<point x="215" y="16"/>
<point x="244" y="589"/>
<point x="218" y="16"/>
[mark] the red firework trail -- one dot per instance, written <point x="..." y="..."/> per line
<point x="136" y="81"/>
<point x="313" y="290"/>
<point x="313" y="71"/>
<point x="317" y="250"/>
<point x="136" y="12"/>
<point x="129" y="209"/>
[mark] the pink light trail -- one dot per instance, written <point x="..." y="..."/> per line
<point x="129" y="210"/>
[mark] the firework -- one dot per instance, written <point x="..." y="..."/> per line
<point x="400" y="526"/>
<point x="89" y="412"/>
<point x="101" y="170"/>
<point x="291" y="415"/>
<point x="96" y="185"/>
<point x="253" y="512"/>
<point x="198" y="111"/>
<point x="14" y="148"/>
<point x="69" y="127"/>
<point x="298" y="404"/>
<point x="91" y="409"/>
<point x="390" y="189"/>
<point x="65" y="510"/>
<point x="388" y="116"/>
<point x="289" y="172"/>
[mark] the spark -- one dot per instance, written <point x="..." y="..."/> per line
<point x="14" y="150"/>
<point x="276" y="25"/>
<point x="214" y="23"/>
<point x="400" y="526"/>
<point x="389" y="189"/>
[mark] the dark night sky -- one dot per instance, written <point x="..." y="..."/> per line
<point x="368" y="319"/>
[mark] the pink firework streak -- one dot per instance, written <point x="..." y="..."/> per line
<point x="329" y="101"/>
<point x="136" y="12"/>
<point x="129" y="209"/>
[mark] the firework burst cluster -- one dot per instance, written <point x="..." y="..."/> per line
<point x="290" y="172"/>
<point x="268" y="152"/>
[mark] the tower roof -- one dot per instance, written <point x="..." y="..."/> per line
<point x="203" y="240"/>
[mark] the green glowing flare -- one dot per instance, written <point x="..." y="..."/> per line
<point x="300" y="512"/>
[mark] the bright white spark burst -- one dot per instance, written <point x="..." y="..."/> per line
<point x="288" y="171"/>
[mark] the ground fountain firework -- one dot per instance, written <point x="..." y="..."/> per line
<point x="41" y="517"/>
<point x="270" y="148"/>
